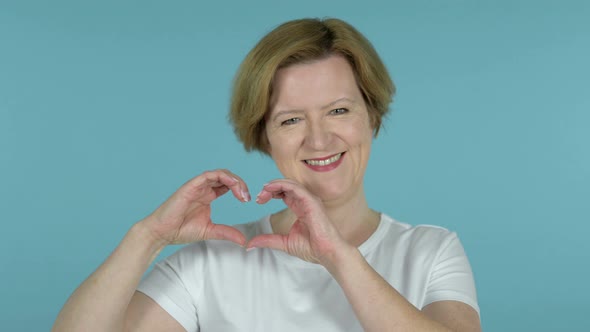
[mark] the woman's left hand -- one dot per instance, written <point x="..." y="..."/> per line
<point x="312" y="236"/>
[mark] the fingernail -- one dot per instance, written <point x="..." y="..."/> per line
<point x="250" y="249"/>
<point x="245" y="196"/>
<point x="235" y="180"/>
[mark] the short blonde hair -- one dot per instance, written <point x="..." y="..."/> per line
<point x="299" y="41"/>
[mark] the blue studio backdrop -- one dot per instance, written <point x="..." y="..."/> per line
<point x="107" y="107"/>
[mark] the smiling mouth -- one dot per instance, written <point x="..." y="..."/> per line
<point x="324" y="162"/>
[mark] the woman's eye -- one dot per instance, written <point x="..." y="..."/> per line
<point x="290" y="121"/>
<point x="338" y="111"/>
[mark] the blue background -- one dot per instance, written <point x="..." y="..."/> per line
<point x="107" y="107"/>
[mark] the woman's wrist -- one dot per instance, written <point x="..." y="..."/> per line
<point x="342" y="259"/>
<point x="142" y="233"/>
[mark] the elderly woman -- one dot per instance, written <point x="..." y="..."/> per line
<point x="311" y="95"/>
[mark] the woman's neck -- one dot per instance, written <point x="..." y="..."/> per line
<point x="353" y="218"/>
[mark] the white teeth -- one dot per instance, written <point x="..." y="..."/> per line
<point x="324" y="162"/>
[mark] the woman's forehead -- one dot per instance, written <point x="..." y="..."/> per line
<point x="317" y="84"/>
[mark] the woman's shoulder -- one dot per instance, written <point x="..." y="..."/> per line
<point x="428" y="235"/>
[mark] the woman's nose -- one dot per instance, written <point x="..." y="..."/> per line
<point x="318" y="135"/>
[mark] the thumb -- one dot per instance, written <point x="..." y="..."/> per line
<point x="272" y="241"/>
<point x="225" y="232"/>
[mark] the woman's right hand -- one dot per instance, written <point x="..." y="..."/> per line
<point x="186" y="216"/>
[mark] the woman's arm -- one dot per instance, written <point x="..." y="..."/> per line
<point x="100" y="303"/>
<point x="377" y="305"/>
<point x="106" y="300"/>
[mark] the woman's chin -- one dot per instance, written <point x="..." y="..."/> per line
<point x="329" y="193"/>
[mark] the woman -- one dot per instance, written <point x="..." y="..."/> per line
<point x="311" y="95"/>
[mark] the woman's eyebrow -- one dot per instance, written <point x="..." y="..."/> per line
<point x="338" y="101"/>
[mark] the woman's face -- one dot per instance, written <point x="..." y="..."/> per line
<point x="318" y="128"/>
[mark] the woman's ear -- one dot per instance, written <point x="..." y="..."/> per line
<point x="264" y="142"/>
<point x="374" y="121"/>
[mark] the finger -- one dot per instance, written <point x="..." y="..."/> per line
<point x="267" y="193"/>
<point x="235" y="184"/>
<point x="283" y="189"/>
<point x="264" y="196"/>
<point x="244" y="191"/>
<point x="304" y="204"/>
<point x="225" y="232"/>
<point x="222" y="178"/>
<point x="272" y="241"/>
<point x="220" y="191"/>
<point x="284" y="185"/>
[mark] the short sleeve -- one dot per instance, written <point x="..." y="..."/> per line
<point x="451" y="277"/>
<point x="164" y="285"/>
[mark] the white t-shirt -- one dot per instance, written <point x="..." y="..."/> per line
<point x="218" y="286"/>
